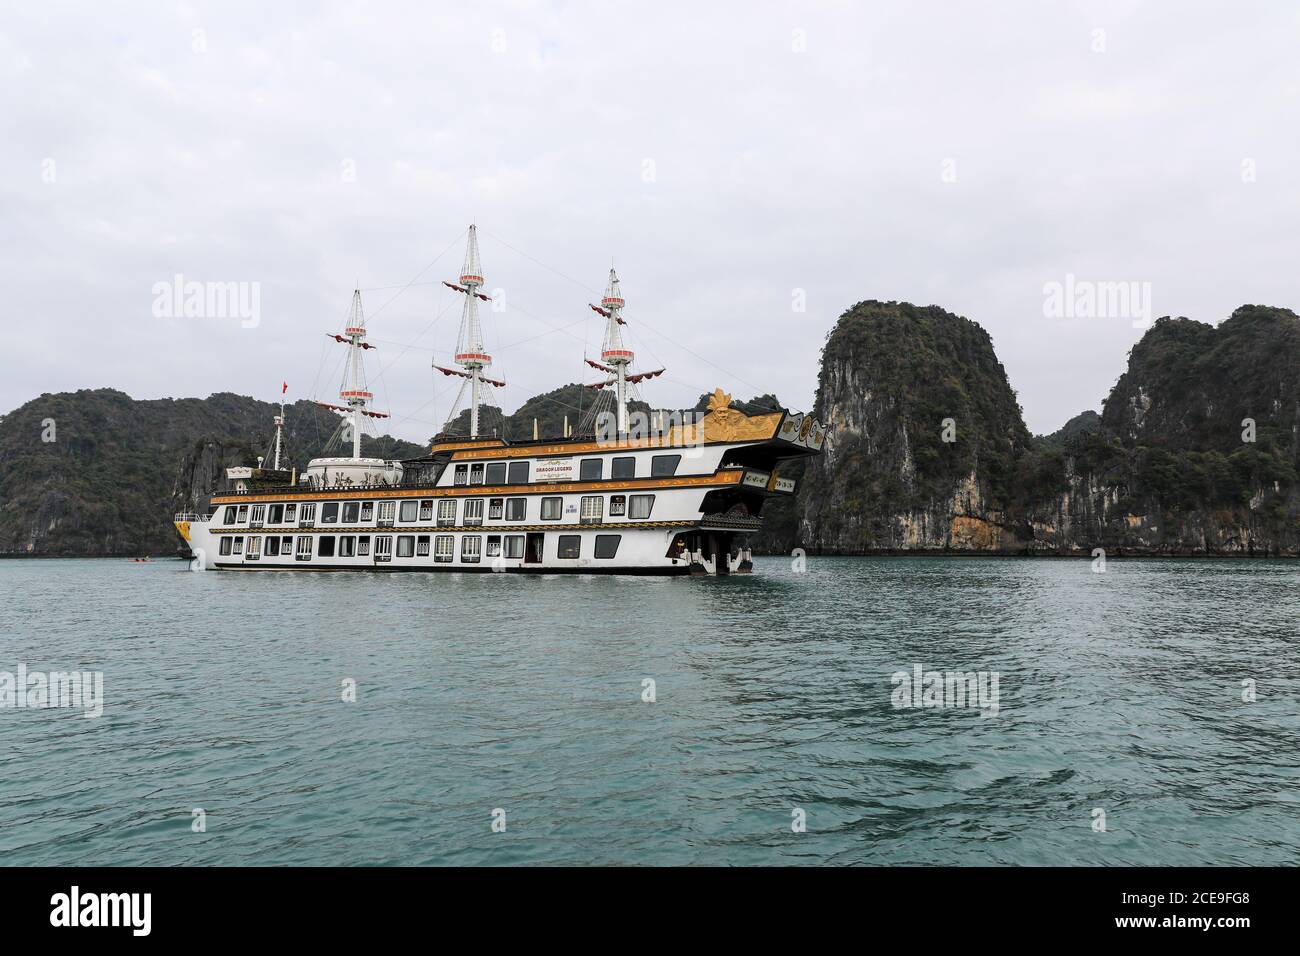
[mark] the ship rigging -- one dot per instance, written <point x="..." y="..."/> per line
<point x="681" y="499"/>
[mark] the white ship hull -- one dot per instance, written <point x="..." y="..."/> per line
<point x="641" y="551"/>
<point x="683" y="502"/>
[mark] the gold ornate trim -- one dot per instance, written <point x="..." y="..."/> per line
<point x="721" y="424"/>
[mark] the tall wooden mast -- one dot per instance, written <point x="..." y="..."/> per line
<point x="471" y="354"/>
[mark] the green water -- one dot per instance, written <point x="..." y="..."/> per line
<point x="1120" y="692"/>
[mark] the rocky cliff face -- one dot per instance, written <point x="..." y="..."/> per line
<point x="1196" y="452"/>
<point x="1191" y="386"/>
<point x="924" y="435"/>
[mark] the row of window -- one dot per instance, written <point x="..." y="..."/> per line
<point x="589" y="469"/>
<point x="591" y="508"/>
<point x="408" y="546"/>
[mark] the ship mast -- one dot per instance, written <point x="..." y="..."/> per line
<point x="615" y="356"/>
<point x="279" y="431"/>
<point x="354" y="393"/>
<point x="471" y="354"/>
<point x="613" y="352"/>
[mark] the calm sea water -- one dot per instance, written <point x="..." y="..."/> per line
<point x="1120" y="691"/>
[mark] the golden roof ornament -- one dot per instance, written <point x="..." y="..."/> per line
<point x="719" y="401"/>
<point x="724" y="423"/>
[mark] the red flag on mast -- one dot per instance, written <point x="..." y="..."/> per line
<point x="285" y="388"/>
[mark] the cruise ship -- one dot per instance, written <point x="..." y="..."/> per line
<point x="666" y="493"/>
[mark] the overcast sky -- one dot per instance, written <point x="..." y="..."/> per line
<point x="723" y="155"/>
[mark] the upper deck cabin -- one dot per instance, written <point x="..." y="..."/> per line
<point x="724" y="440"/>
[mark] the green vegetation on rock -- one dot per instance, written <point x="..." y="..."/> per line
<point x="1197" y="449"/>
<point x="1167" y="467"/>
<point x="118" y="469"/>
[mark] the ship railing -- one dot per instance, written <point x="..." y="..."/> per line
<point x="738" y="522"/>
<point x="342" y="490"/>
<point x="191" y="517"/>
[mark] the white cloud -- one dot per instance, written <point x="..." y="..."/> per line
<point x="773" y="170"/>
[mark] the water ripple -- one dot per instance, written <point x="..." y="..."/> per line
<point x="1120" y="692"/>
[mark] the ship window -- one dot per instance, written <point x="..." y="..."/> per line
<point x="640" y="506"/>
<point x="470" y="546"/>
<point x="624" y="467"/>
<point x="496" y="473"/>
<point x="516" y="509"/>
<point x="273" y="547"/>
<point x="231" y="516"/>
<point x="514" y="546"/>
<point x="363" y="546"/>
<point x="617" y="505"/>
<point x="446" y="512"/>
<point x="552" y="508"/>
<point x="476" y="473"/>
<point x="351" y="512"/>
<point x="304" y="548"/>
<point x="325" y="546"/>
<point x="307" y="515"/>
<point x="410" y="510"/>
<point x="422" y="546"/>
<point x="462" y="474"/>
<point x="243" y="512"/>
<point x="286" y="545"/>
<point x="239" y="545"/>
<point x="493" y="546"/>
<point x="387" y="509"/>
<point x="494" y="508"/>
<point x="254" y="547"/>
<point x="607" y="545"/>
<point x="591" y="469"/>
<point x="347" y="546"/>
<point x="367" y="510"/>
<point x="593" y="508"/>
<point x="258" y="514"/>
<point x="570" y="546"/>
<point x="383" y="547"/>
<point x="426" y="509"/>
<point x="406" y="546"/>
<point x="664" y="466"/>
<point x="473" y="511"/>
<point x="290" y="513"/>
<point x="226" y="543"/>
<point x="275" y="514"/>
<point x="329" y="513"/>
<point x="518" y="473"/>
<point x="444" y="548"/>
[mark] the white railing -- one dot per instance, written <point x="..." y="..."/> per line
<point x="191" y="518"/>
